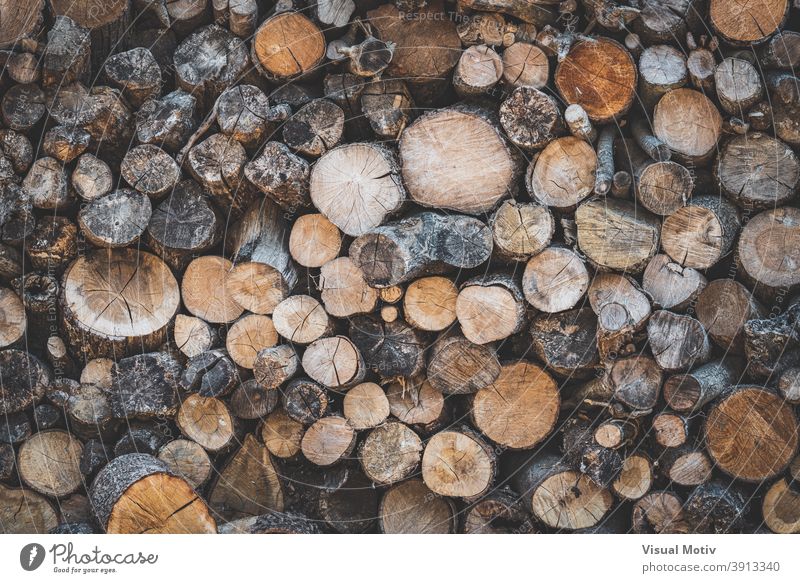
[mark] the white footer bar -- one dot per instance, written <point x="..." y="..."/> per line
<point x="351" y="559"/>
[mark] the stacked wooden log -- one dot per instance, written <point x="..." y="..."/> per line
<point x="424" y="266"/>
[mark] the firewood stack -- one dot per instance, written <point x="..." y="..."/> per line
<point x="422" y="266"/>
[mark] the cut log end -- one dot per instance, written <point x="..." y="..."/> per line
<point x="599" y="75"/>
<point x="457" y="464"/>
<point x="328" y="440"/>
<point x="136" y="493"/>
<point x="411" y="508"/>
<point x="742" y="447"/>
<point x="137" y="300"/>
<point x="432" y="145"/>
<point x="281" y="58"/>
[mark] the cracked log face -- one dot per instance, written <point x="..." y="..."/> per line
<point x="49" y="463"/>
<point x="452" y="143"/>
<point x="314" y="129"/>
<point x="660" y="513"/>
<point x="664" y="21"/>
<point x="752" y="434"/>
<point x="664" y="187"/>
<point x="243" y="112"/>
<point x="282" y="58"/>
<point x="334" y="362"/>
<point x="478" y="70"/>
<point x="520" y="408"/>
<point x="635" y="479"/>
<point x="12" y="318"/>
<point x="248" y="336"/>
<point x="187" y="459"/>
<point x="206" y="421"/>
<point x="137" y="493"/>
<point x="204" y="292"/>
<point x="563" y="174"/>
<point x="557" y="501"/>
<point x="390" y="453"/>
<point x="699" y="234"/>
<point x="39" y="515"/>
<point x="366" y="406"/>
<point x="357" y="186"/>
<point x="769" y="247"/>
<point x="183" y="225"/>
<point x="723" y="307"/>
<point x="458" y="464"/>
<point x="615" y="234"/>
<point x="411" y="508"/>
<point x="488" y="313"/>
<point x="555" y="279"/>
<point x="521" y="230"/>
<point x="314" y="240"/>
<point x="525" y="65"/>
<point x="758" y="171"/>
<point x="677" y="341"/>
<point x="747" y="22"/>
<point x="689" y="123"/>
<point x="328" y="440"/>
<point x="661" y="68"/>
<point x="557" y="496"/>
<point x="150" y="170"/>
<point x="600" y="76"/>
<point x="300" y="319"/>
<point x="117" y="301"/>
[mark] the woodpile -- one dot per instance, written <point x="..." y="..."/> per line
<point x="435" y="266"/>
